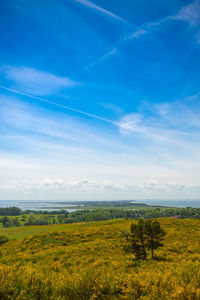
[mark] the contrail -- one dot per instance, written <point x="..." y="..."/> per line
<point x="59" y="105"/>
<point x="92" y="5"/>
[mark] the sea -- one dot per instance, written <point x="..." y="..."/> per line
<point x="37" y="205"/>
<point x="53" y="205"/>
<point x="172" y="203"/>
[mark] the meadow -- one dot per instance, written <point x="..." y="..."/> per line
<point x="88" y="261"/>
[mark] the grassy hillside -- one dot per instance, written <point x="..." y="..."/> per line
<point x="87" y="261"/>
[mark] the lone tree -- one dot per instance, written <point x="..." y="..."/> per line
<point x="155" y="235"/>
<point x="145" y="235"/>
<point x="138" y="239"/>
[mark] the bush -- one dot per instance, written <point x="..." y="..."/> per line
<point x="3" y="239"/>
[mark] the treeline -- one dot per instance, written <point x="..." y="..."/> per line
<point x="10" y="211"/>
<point x="107" y="214"/>
<point x="16" y="211"/>
<point x="116" y="212"/>
<point x="44" y="220"/>
<point x="63" y="216"/>
<point x="10" y="222"/>
<point x="104" y="203"/>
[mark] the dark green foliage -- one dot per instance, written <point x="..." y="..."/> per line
<point x="155" y="235"/>
<point x="61" y="219"/>
<point x="99" y="211"/>
<point x="145" y="235"/>
<point x="138" y="241"/>
<point x="10" y="222"/>
<point x="110" y="203"/>
<point x="3" y="239"/>
<point x="37" y="221"/>
<point x="5" y="221"/>
<point x="10" y="211"/>
<point x="15" y="222"/>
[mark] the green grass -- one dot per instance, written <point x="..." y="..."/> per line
<point x="25" y="231"/>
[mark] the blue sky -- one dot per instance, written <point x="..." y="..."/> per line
<point x="99" y="99"/>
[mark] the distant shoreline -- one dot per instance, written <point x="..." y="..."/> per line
<point x="52" y="204"/>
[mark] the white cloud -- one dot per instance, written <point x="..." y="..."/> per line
<point x="36" y="82"/>
<point x="53" y="156"/>
<point x="145" y="128"/>
<point x="87" y="189"/>
<point x="34" y="185"/>
<point x="180" y="113"/>
<point x="17" y="162"/>
<point x="131" y="122"/>
<point x="25" y="118"/>
<point x="52" y="183"/>
<point x="171" y="122"/>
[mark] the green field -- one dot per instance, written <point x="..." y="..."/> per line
<point x="25" y="231"/>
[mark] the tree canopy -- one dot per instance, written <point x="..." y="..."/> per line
<point x="145" y="235"/>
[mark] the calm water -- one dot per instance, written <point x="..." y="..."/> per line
<point x="36" y="205"/>
<point x="176" y="203"/>
<point x="52" y="205"/>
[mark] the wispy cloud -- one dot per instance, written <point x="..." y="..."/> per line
<point x="188" y="13"/>
<point x="27" y="119"/>
<point x="65" y="107"/>
<point x="146" y="28"/>
<point x="181" y="113"/>
<point x="172" y="124"/>
<point x="14" y="162"/>
<point x="98" y="8"/>
<point x="35" y="81"/>
<point x="147" y="129"/>
<point x="104" y="57"/>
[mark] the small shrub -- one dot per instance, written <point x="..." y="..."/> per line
<point x="3" y="239"/>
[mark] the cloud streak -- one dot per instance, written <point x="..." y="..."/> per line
<point x="154" y="129"/>
<point x="41" y="124"/>
<point x="59" y="105"/>
<point x="99" y="60"/>
<point x="98" y="8"/>
<point x="37" y="82"/>
<point x="173" y="124"/>
<point x="188" y="13"/>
